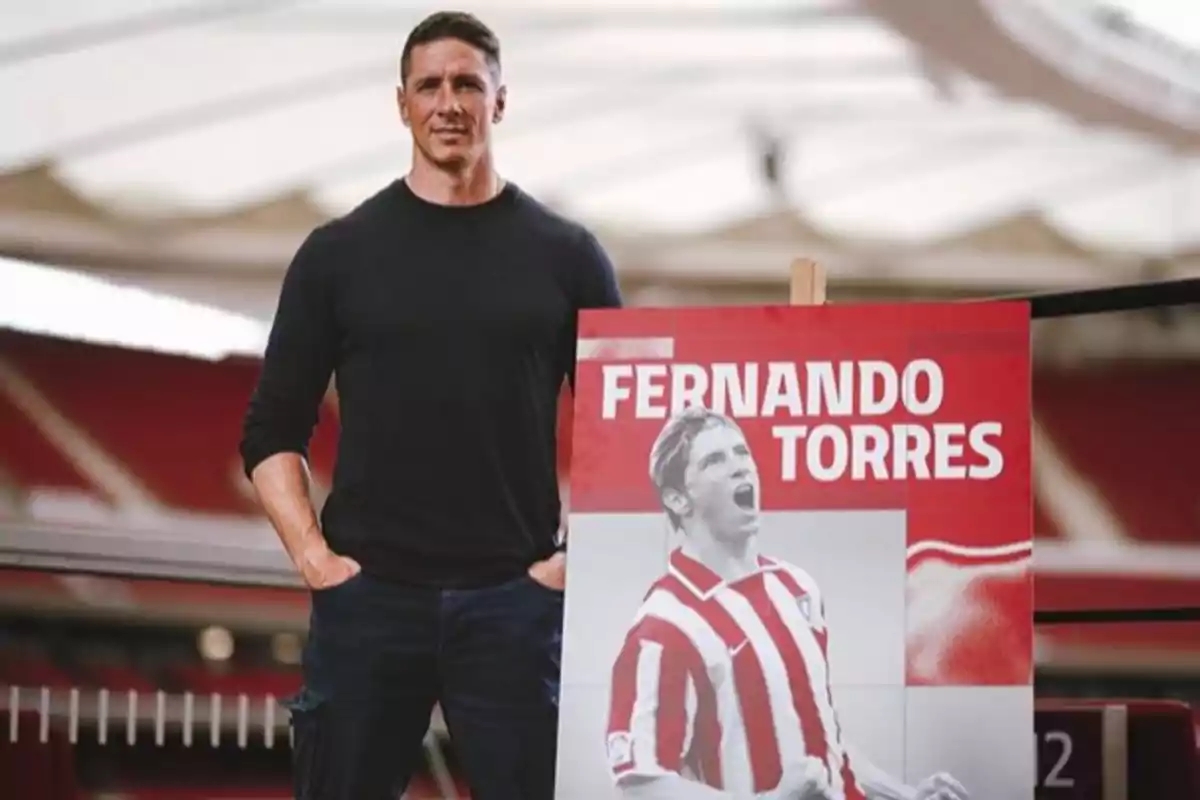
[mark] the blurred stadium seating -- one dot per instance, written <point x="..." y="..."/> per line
<point x="131" y="636"/>
<point x="148" y="621"/>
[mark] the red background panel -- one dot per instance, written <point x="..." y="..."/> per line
<point x="983" y="351"/>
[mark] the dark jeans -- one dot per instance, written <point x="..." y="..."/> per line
<point x="379" y="656"/>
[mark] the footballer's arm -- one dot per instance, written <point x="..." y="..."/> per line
<point x="875" y="782"/>
<point x="879" y="785"/>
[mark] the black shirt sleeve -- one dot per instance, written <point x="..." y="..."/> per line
<point x="299" y="358"/>
<point x="596" y="288"/>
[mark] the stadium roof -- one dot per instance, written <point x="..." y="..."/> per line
<point x="60" y="303"/>
<point x="157" y="122"/>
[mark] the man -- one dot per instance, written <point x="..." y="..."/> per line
<point x="446" y="307"/>
<point x="722" y="688"/>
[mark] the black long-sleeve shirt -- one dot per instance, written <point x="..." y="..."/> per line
<point x="449" y="330"/>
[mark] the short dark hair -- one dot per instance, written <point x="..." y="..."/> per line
<point x="458" y="25"/>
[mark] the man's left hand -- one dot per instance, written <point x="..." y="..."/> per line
<point x="941" y="787"/>
<point x="552" y="572"/>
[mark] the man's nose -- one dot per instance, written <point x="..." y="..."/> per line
<point x="447" y="100"/>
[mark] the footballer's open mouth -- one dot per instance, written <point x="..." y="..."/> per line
<point x="744" y="497"/>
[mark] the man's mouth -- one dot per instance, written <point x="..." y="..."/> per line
<point x="450" y="131"/>
<point x="744" y="497"/>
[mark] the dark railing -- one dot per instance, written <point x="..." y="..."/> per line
<point x="1132" y="297"/>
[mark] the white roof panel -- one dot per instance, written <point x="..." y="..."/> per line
<point x="631" y="114"/>
<point x="688" y="197"/>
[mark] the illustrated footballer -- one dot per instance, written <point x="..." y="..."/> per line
<point x="721" y="688"/>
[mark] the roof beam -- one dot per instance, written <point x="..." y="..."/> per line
<point x="594" y="102"/>
<point x="1110" y="177"/>
<point x="310" y="89"/>
<point x="936" y="157"/>
<point x="350" y="20"/>
<point x="201" y="115"/>
<point x="83" y="37"/>
<point x="676" y="153"/>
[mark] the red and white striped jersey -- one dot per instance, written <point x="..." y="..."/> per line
<point x="727" y="683"/>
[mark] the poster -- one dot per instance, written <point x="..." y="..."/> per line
<point x="799" y="546"/>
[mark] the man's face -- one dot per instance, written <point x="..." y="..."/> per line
<point x="721" y="483"/>
<point x="450" y="100"/>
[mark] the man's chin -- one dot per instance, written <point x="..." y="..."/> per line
<point x="450" y="158"/>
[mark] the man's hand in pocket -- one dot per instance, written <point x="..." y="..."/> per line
<point x="551" y="572"/>
<point x="324" y="569"/>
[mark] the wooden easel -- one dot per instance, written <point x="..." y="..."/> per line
<point x="807" y="283"/>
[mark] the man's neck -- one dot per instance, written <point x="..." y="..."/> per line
<point x="730" y="561"/>
<point x="467" y="187"/>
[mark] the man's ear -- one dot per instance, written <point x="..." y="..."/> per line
<point x="501" y="104"/>
<point x="676" y="502"/>
<point x="400" y="107"/>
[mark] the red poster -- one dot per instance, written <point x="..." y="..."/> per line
<point x="799" y="554"/>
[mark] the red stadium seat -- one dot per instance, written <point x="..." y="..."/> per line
<point x="29" y="459"/>
<point x="31" y="670"/>
<point x="203" y="793"/>
<point x="1133" y="430"/>
<point x="173" y="421"/>
<point x="251" y="682"/>
<point x="34" y="770"/>
<point x="116" y="677"/>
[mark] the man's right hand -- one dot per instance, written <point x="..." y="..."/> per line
<point x="322" y="568"/>
<point x="808" y="780"/>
